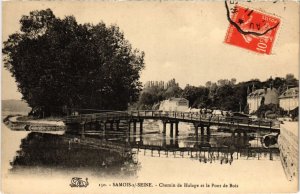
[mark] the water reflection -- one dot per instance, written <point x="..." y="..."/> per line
<point x="116" y="152"/>
<point x="44" y="150"/>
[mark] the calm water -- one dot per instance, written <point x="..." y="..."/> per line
<point x="149" y="157"/>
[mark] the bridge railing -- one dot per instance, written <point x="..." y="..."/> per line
<point x="192" y="116"/>
<point x="205" y="117"/>
<point x="97" y="116"/>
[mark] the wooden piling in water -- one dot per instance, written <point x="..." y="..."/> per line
<point x="171" y="130"/>
<point x="141" y="126"/>
<point x="134" y="126"/>
<point x="202" y="130"/>
<point x="208" y="130"/>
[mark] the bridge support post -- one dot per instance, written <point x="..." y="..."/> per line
<point x="141" y="139"/>
<point x="129" y="126"/>
<point x="196" y="135"/>
<point x="141" y="126"/>
<point x="176" y="140"/>
<point x="171" y="129"/>
<point x="202" y="140"/>
<point x="164" y="144"/>
<point x="171" y="142"/>
<point x="134" y="132"/>
<point x="127" y="137"/>
<point x="208" y="130"/>
<point x="176" y="129"/>
<point x="208" y="138"/>
<point x="164" y="127"/>
<point x="134" y="126"/>
<point x="202" y="130"/>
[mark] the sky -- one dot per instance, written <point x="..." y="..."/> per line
<point x="181" y="40"/>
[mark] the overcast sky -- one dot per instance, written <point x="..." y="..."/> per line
<point x="183" y="40"/>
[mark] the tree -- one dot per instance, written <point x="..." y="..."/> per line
<point x="60" y="63"/>
<point x="233" y="81"/>
<point x="150" y="96"/>
<point x="208" y="84"/>
<point x="223" y="82"/>
<point x="289" y="77"/>
<point x="225" y="98"/>
<point x="264" y="110"/>
<point x="173" y="91"/>
<point x="147" y="99"/>
<point x="291" y="80"/>
<point x="197" y="96"/>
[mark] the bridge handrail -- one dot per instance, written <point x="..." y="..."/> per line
<point x="194" y="116"/>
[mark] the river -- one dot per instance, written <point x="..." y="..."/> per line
<point x="34" y="162"/>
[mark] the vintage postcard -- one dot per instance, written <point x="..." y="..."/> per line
<point x="150" y="96"/>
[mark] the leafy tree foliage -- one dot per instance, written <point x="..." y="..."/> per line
<point x="148" y="98"/>
<point x="152" y="95"/>
<point x="197" y="96"/>
<point x="173" y="91"/>
<point x="60" y="63"/>
<point x="225" y="94"/>
<point x="265" y="110"/>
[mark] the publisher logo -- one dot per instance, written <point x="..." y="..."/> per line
<point x="78" y="182"/>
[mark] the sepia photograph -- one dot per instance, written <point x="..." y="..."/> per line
<point x="150" y="96"/>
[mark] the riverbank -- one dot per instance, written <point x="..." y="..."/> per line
<point x="188" y="168"/>
<point x="23" y="123"/>
<point x="288" y="145"/>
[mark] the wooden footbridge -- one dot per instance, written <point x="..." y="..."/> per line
<point x="114" y="119"/>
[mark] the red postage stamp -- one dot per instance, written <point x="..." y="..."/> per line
<point x="252" y="30"/>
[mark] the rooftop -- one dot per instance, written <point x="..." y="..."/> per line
<point x="261" y="92"/>
<point x="177" y="99"/>
<point x="290" y="93"/>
